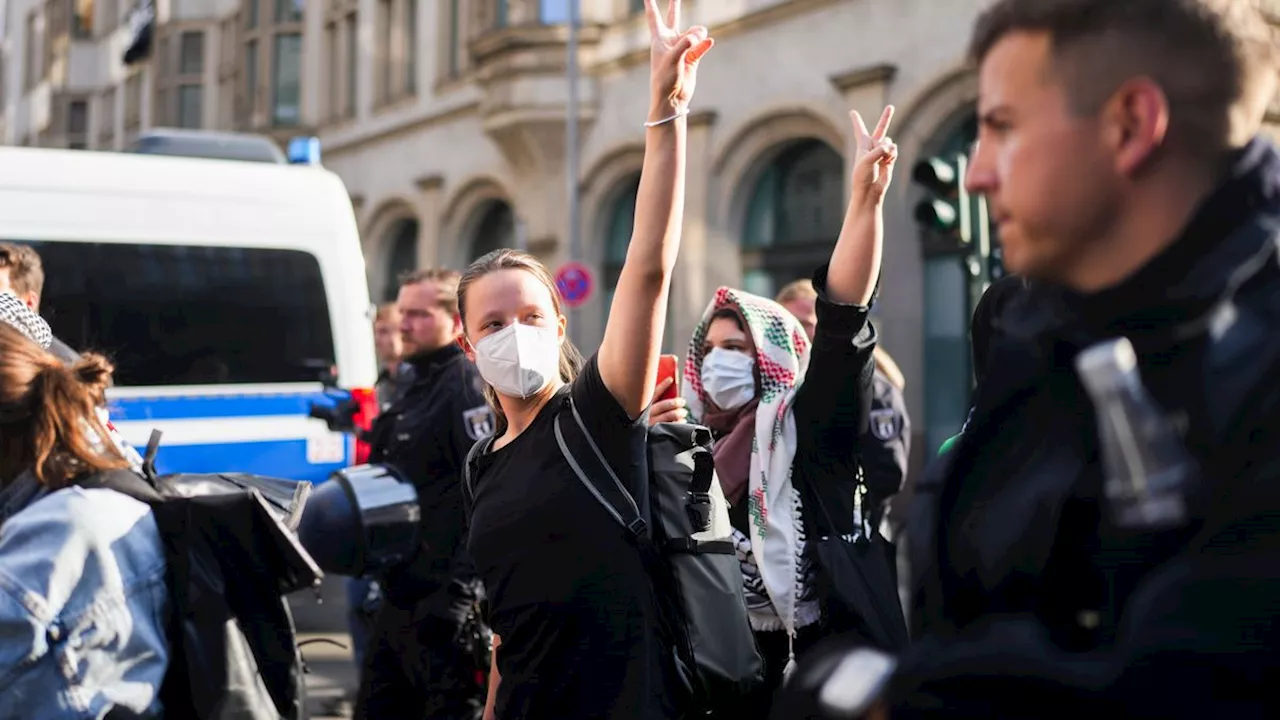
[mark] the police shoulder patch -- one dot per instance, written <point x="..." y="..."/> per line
<point x="478" y="421"/>
<point x="885" y="423"/>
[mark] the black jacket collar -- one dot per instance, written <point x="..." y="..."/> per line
<point x="422" y="363"/>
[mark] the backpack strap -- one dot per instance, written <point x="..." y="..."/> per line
<point x="480" y="447"/>
<point x="612" y="495"/>
<point x="124" y="482"/>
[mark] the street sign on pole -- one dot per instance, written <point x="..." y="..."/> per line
<point x="573" y="280"/>
<point x="571" y="151"/>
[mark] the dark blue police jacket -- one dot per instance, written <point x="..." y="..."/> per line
<point x="1028" y="601"/>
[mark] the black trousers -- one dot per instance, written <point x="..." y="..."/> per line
<point x="414" y="669"/>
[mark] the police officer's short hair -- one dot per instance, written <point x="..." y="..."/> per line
<point x="795" y="291"/>
<point x="445" y="279"/>
<point x="1215" y="60"/>
<point x="26" y="272"/>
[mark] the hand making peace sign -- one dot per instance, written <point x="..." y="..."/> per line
<point x="674" y="57"/>
<point x="877" y="153"/>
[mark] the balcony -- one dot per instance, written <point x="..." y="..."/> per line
<point x="519" y="59"/>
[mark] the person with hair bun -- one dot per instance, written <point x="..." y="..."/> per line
<point x="83" y="599"/>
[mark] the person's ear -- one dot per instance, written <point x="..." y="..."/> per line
<point x="1135" y="124"/>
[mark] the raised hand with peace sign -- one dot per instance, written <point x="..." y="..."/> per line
<point x="877" y="154"/>
<point x="855" y="262"/>
<point x="674" y="56"/>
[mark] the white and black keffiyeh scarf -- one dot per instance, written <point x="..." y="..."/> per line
<point x="16" y="313"/>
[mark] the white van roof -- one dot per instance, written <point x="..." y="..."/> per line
<point x="153" y="198"/>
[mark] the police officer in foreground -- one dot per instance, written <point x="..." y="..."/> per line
<point x="1118" y="152"/>
<point x="415" y="665"/>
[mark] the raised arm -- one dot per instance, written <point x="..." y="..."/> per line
<point x="628" y="356"/>
<point x="833" y="403"/>
<point x="855" y="263"/>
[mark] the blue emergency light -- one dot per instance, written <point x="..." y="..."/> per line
<point x="304" y="151"/>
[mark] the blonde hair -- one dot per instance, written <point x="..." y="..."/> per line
<point x="797" y="290"/>
<point x="570" y="358"/>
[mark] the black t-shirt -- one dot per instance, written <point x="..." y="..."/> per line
<point x="568" y="592"/>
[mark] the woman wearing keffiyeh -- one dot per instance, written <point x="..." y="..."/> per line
<point x="785" y="414"/>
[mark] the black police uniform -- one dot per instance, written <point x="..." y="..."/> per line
<point x="415" y="667"/>
<point x="1030" y="602"/>
<point x="885" y="445"/>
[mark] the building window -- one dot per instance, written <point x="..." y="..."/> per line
<point x="618" y="236"/>
<point x="107" y="119"/>
<point x="455" y="38"/>
<point x="352" y="55"/>
<point x="288" y="11"/>
<point x="286" y="79"/>
<point x="161" y="111"/>
<point x="34" y="60"/>
<point x="794" y="217"/>
<point x="133" y="101"/>
<point x="251" y="77"/>
<point x="82" y="19"/>
<point x="411" y="47"/>
<point x="77" y="124"/>
<point x="333" y="99"/>
<point x="190" y="106"/>
<point x="251" y="14"/>
<point x="191" y="53"/>
<point x="383" y="57"/>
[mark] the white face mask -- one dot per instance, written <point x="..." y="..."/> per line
<point x="729" y="378"/>
<point x="519" y="360"/>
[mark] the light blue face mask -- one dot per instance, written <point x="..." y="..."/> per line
<point x="729" y="378"/>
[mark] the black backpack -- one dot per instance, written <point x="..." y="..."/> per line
<point x="232" y="557"/>
<point x="681" y="525"/>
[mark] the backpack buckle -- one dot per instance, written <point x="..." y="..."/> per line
<point x="638" y="527"/>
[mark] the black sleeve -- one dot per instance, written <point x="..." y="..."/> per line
<point x="886" y="441"/>
<point x="1197" y="633"/>
<point x="833" y="402"/>
<point x="620" y="438"/>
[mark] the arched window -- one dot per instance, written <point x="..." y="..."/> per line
<point x="793" y="217"/>
<point x="403" y="256"/>
<point x="621" y="221"/>
<point x="494" y="229"/>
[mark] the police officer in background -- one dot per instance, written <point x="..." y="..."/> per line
<point x="886" y="444"/>
<point x="415" y="666"/>
<point x="1118" y="151"/>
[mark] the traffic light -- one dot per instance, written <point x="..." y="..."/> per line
<point x="946" y="209"/>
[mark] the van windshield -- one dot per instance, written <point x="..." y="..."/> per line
<point x="180" y="315"/>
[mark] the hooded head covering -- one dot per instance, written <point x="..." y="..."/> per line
<point x="767" y="439"/>
<point x="16" y="313"/>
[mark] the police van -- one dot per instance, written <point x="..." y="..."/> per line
<point x="230" y="294"/>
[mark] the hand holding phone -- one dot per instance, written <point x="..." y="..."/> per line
<point x="667" y="371"/>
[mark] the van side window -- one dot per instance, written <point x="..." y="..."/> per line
<point x="183" y="315"/>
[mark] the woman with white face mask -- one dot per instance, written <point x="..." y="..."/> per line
<point x="786" y="413"/>
<point x="569" y="595"/>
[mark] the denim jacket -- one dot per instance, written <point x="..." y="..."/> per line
<point x="82" y="603"/>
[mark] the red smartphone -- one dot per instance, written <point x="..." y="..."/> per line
<point x="667" y="369"/>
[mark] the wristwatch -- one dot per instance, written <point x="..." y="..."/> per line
<point x="856" y="683"/>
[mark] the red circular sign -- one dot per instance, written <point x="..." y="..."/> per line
<point x="573" y="280"/>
